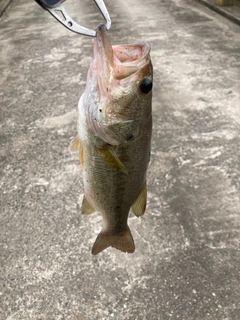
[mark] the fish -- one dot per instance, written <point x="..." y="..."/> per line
<point x="114" y="137"/>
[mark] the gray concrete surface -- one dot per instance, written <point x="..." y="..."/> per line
<point x="230" y="12"/>
<point x="4" y="5"/>
<point x="187" y="260"/>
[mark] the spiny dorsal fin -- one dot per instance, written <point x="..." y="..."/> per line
<point x="87" y="207"/>
<point x="122" y="241"/>
<point x="139" y="205"/>
<point x="111" y="158"/>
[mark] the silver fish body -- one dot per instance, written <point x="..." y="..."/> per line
<point x="114" y="137"/>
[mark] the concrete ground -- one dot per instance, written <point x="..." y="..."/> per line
<point x="231" y="12"/>
<point x="4" y="5"/>
<point x="187" y="260"/>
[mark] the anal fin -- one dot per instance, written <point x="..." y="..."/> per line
<point x="139" y="205"/>
<point x="87" y="207"/>
<point x="111" y="158"/>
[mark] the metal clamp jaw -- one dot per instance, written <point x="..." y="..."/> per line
<point x="55" y="7"/>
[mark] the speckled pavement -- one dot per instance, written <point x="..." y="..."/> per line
<point x="4" y="5"/>
<point x="187" y="260"/>
<point x="230" y="12"/>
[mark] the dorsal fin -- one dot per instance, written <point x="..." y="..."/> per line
<point x="139" y="205"/>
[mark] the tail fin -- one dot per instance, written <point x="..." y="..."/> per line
<point x="122" y="241"/>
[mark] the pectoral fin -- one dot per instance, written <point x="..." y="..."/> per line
<point x="87" y="207"/>
<point x="139" y="205"/>
<point x="111" y="158"/>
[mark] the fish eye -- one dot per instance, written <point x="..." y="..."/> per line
<point x="146" y="85"/>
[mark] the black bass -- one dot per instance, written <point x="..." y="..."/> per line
<point x="114" y="137"/>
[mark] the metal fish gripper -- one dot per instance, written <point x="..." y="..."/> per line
<point x="56" y="9"/>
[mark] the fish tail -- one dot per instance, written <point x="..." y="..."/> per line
<point x="122" y="241"/>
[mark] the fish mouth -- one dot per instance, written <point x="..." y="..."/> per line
<point x="117" y="62"/>
<point x="103" y="51"/>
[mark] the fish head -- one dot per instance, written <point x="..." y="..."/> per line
<point x="120" y="77"/>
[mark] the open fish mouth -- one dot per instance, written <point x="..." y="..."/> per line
<point x="117" y="62"/>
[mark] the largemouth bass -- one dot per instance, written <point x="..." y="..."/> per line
<point x="114" y="137"/>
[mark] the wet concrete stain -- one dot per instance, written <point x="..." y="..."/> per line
<point x="187" y="259"/>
